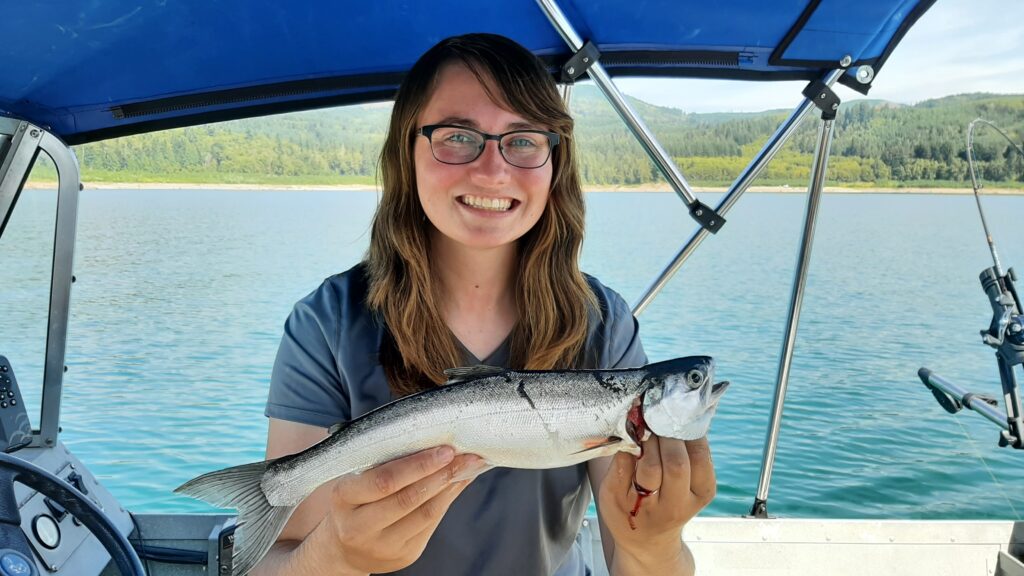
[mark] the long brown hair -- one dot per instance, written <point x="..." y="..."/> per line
<point x="552" y="295"/>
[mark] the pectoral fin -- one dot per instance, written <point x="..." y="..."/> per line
<point x="467" y="373"/>
<point x="598" y="443"/>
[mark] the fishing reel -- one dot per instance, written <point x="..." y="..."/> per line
<point x="1007" y="326"/>
<point x="1005" y="334"/>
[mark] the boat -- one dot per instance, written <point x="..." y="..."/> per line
<point x="73" y="75"/>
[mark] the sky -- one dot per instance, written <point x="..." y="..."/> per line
<point x="958" y="46"/>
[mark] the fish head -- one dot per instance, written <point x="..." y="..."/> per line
<point x="681" y="397"/>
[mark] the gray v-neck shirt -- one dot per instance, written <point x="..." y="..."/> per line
<point x="507" y="521"/>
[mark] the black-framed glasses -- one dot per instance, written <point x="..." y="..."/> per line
<point x="451" y="144"/>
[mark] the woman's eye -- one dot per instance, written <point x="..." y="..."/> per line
<point x="459" y="138"/>
<point x="522" y="142"/>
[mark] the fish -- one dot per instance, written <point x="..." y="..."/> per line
<point x="510" y="418"/>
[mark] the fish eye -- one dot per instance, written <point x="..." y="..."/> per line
<point x="694" y="377"/>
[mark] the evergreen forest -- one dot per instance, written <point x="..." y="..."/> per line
<point x="877" y="144"/>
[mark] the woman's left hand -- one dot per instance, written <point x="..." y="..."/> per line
<point x="680" y="478"/>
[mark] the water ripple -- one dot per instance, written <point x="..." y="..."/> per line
<point x="181" y="297"/>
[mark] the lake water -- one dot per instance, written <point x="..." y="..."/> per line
<point x="181" y="295"/>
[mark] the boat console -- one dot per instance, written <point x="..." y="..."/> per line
<point x="62" y="520"/>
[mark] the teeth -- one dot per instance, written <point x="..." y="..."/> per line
<point x="495" y="204"/>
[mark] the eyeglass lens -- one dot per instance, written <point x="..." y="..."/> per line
<point x="453" y="145"/>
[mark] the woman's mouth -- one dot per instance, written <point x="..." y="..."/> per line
<point x="489" y="204"/>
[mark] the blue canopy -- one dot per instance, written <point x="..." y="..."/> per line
<point x="94" y="70"/>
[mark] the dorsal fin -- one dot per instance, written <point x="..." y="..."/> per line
<point x="338" y="427"/>
<point x="467" y="373"/>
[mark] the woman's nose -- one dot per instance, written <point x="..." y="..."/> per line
<point x="491" y="165"/>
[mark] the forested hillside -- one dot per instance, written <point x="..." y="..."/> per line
<point x="876" y="143"/>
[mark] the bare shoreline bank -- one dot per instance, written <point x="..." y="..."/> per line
<point x="645" y="188"/>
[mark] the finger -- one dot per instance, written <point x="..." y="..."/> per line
<point x="703" y="483"/>
<point x="676" y="473"/>
<point x="648" y="467"/>
<point x="416" y="528"/>
<point x="618" y="480"/>
<point x="386" y="479"/>
<point x="411" y="499"/>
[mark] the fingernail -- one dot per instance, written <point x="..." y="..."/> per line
<point x="444" y="454"/>
<point x="471" y="470"/>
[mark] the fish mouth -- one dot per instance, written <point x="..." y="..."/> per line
<point x="718" y="388"/>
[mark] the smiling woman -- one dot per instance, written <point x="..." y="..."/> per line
<point x="473" y="259"/>
<point x="431" y="225"/>
<point x="459" y="191"/>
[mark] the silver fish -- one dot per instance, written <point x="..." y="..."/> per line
<point x="512" y="418"/>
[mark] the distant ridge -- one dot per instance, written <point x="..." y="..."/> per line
<point x="877" y="143"/>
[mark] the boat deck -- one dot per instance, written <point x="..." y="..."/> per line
<point x="777" y="547"/>
<point x="740" y="546"/>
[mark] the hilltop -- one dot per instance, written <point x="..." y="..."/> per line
<point x="877" y="144"/>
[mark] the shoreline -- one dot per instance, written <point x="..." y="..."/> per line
<point x="659" y="187"/>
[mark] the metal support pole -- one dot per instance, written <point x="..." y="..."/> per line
<point x="68" y="187"/>
<point x="26" y="142"/>
<point x="821" y="153"/>
<point x="643" y="134"/>
<point x="739" y="186"/>
<point x="15" y="164"/>
<point x="1014" y="436"/>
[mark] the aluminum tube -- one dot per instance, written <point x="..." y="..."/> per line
<point x="626" y="112"/>
<point x="739" y="186"/>
<point x="1011" y="395"/>
<point x="953" y="390"/>
<point x="69" y="183"/>
<point x="775" y="143"/>
<point x="15" y="166"/>
<point x="821" y="154"/>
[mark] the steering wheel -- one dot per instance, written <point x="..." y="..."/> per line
<point x="11" y="535"/>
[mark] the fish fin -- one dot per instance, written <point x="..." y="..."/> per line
<point x="596" y="444"/>
<point x="259" y="521"/>
<point x="338" y="427"/>
<point x="467" y="373"/>
<point x="471" y="473"/>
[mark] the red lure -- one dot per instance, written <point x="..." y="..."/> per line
<point x="639" y="430"/>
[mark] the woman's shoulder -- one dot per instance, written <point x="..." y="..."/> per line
<point x="343" y="289"/>
<point x="613" y="340"/>
<point x="611" y="305"/>
<point x="337" y="303"/>
<point x="353" y="281"/>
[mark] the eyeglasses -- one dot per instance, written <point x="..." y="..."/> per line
<point x="451" y="144"/>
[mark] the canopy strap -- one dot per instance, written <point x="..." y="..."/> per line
<point x="580" y="62"/>
<point x="824" y="98"/>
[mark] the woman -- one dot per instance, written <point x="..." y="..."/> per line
<point x="473" y="259"/>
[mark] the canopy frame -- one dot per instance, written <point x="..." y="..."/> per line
<point x="25" y="142"/>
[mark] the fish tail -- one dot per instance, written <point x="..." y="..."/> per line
<point x="259" y="521"/>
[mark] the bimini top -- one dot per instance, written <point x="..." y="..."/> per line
<point x="95" y="70"/>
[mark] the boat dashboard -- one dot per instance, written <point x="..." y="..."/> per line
<point x="57" y="502"/>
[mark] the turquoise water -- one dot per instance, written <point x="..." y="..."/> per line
<point x="181" y="295"/>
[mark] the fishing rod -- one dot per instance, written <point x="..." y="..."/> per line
<point x="1005" y="333"/>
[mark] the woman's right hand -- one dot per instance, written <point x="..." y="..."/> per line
<point x="382" y="518"/>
